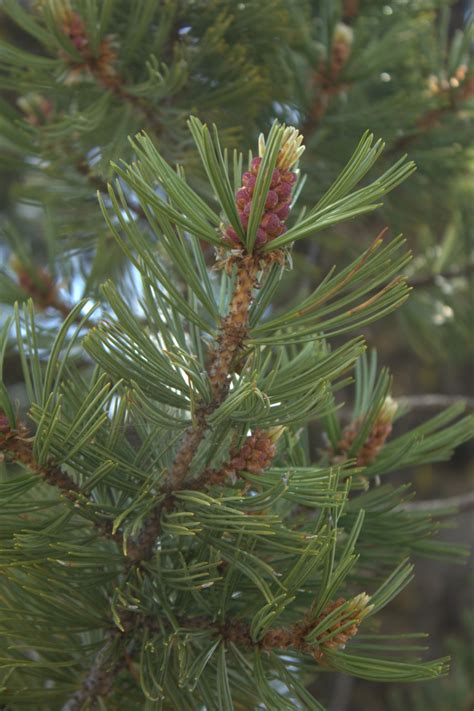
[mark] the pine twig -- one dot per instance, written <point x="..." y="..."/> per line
<point x="233" y="332"/>
<point x="17" y="447"/>
<point x="461" y="503"/>
<point x="431" y="118"/>
<point x="99" y="680"/>
<point x="431" y="279"/>
<point x="230" y="341"/>
<point x="100" y="65"/>
<point x="434" y="400"/>
<point x="292" y="638"/>
<point x="231" y="338"/>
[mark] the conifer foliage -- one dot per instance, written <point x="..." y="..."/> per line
<point x="176" y="546"/>
<point x="169" y="539"/>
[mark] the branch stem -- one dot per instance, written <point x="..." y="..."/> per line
<point x="232" y="334"/>
<point x="99" y="681"/>
<point x="230" y="341"/>
<point x="461" y="503"/>
<point x="17" y="447"/>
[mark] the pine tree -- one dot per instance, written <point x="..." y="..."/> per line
<point x="170" y="539"/>
<point x="177" y="557"/>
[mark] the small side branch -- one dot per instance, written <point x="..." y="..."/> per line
<point x="99" y="680"/>
<point x="453" y="102"/>
<point x="16" y="446"/>
<point x="230" y="341"/>
<point x="461" y="504"/>
<point x="430" y="280"/>
<point x="231" y="338"/>
<point x="434" y="401"/>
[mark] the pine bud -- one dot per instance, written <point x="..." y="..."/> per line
<point x="343" y="34"/>
<point x="290" y="151"/>
<point x="357" y="609"/>
<point x="389" y="410"/>
<point x="4" y="424"/>
<point x="341" y="47"/>
<point x="98" y="64"/>
<point x="376" y="438"/>
<point x="36" y="282"/>
<point x="38" y="110"/>
<point x="257" y="452"/>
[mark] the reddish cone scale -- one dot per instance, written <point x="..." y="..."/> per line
<point x="277" y="204"/>
<point x="257" y="453"/>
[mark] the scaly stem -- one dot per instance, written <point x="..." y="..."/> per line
<point x="230" y="341"/>
<point x="99" y="680"/>
<point x="233" y="332"/>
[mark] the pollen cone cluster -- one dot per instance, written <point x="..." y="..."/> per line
<point x="100" y="64"/>
<point x="340" y="631"/>
<point x="257" y="453"/>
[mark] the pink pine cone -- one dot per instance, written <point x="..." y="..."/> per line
<point x="277" y="204"/>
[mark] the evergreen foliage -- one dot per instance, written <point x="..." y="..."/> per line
<point x="177" y="556"/>
<point x="170" y="540"/>
<point x="454" y="691"/>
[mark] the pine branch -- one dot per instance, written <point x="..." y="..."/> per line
<point x="100" y="185"/>
<point x="101" y="66"/>
<point x="233" y="332"/>
<point x="327" y="78"/>
<point x="100" y="678"/>
<point x="16" y="446"/>
<point x="255" y="455"/>
<point x="460" y="503"/>
<point x="431" y="119"/>
<point x="431" y="279"/>
<point x="336" y="634"/>
<point x="324" y="629"/>
<point x="434" y="400"/>
<point x="230" y="341"/>
<point x="343" y="620"/>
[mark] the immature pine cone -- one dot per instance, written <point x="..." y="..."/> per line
<point x="277" y="204"/>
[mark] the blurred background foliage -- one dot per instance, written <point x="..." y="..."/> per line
<point x="334" y="69"/>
